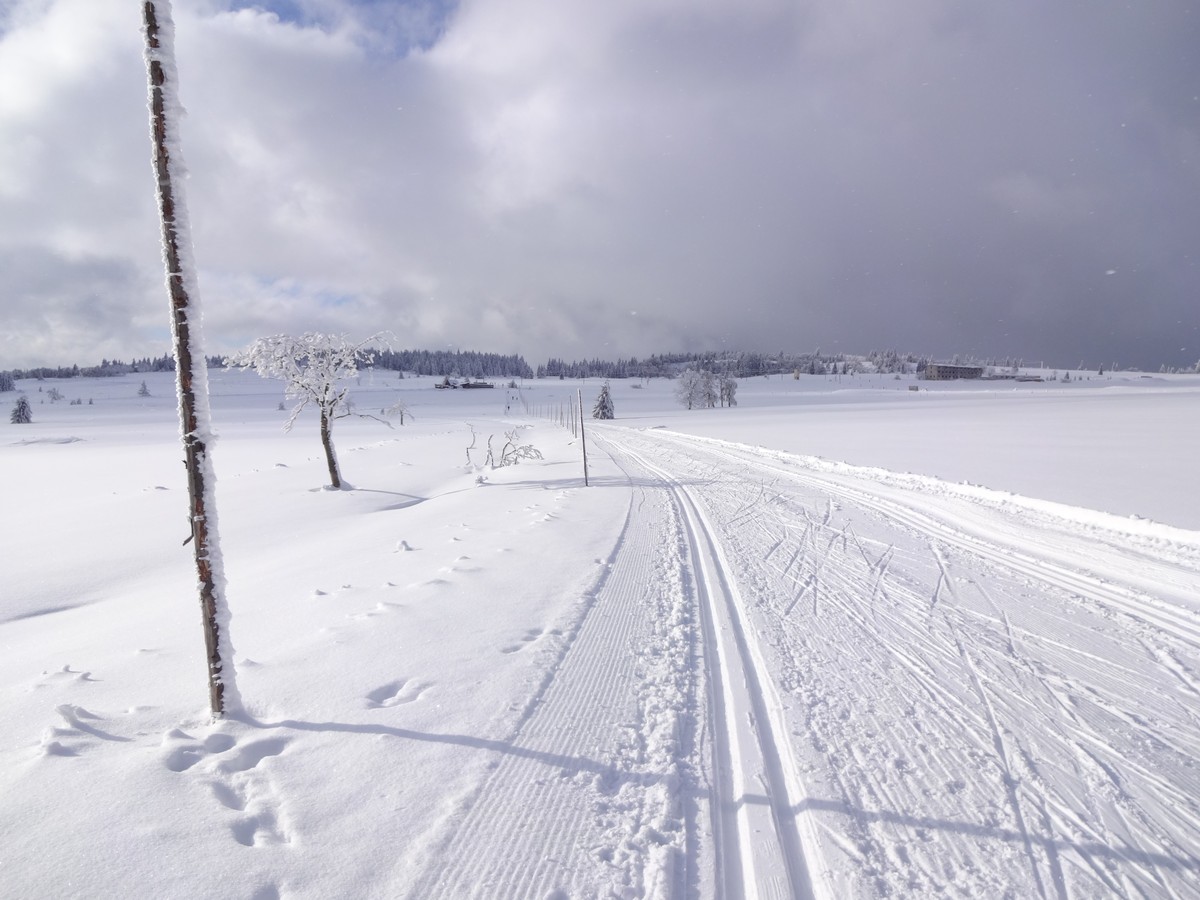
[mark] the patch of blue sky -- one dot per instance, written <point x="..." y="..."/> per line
<point x="387" y="27"/>
<point x="332" y="300"/>
<point x="298" y="289"/>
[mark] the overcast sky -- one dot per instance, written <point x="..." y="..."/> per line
<point x="580" y="178"/>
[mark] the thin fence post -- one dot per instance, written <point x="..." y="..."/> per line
<point x="583" y="438"/>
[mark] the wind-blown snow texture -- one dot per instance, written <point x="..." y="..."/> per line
<point x="766" y="653"/>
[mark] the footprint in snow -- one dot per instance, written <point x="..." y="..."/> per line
<point x="395" y="693"/>
<point x="248" y="756"/>
<point x="231" y="768"/>
<point x="531" y="635"/>
<point x="182" y="751"/>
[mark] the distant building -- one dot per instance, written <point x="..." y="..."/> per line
<point x="948" y="371"/>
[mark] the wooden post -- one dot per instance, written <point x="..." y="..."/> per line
<point x="582" y="437"/>
<point x="222" y="692"/>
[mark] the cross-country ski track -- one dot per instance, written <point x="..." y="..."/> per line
<point x="795" y="678"/>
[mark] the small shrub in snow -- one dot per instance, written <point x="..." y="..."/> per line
<point x="512" y="452"/>
<point x="143" y="391"/>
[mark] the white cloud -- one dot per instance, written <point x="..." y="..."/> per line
<point x="517" y="176"/>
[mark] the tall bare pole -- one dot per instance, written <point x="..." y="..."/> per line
<point x="582" y="437"/>
<point x="191" y="377"/>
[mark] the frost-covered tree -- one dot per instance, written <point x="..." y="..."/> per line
<point x="22" y="413"/>
<point x="708" y="389"/>
<point x="690" y="389"/>
<point x="701" y="389"/>
<point x="6" y="382"/>
<point x="314" y="367"/>
<point x="143" y="391"/>
<point x="604" y="405"/>
<point x="728" y="388"/>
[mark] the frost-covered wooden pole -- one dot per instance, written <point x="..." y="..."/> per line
<point x="582" y="437"/>
<point x="190" y="364"/>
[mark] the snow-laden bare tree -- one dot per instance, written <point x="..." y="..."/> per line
<point x="604" y="405"/>
<point x="314" y="367"/>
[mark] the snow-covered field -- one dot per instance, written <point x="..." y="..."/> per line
<point x="844" y="640"/>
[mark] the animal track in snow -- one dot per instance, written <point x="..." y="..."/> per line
<point x="395" y="693"/>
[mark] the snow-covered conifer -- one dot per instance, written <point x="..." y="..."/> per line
<point x="604" y="405"/>
<point x="22" y="413"/>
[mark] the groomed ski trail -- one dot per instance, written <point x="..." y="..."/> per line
<point x="592" y="795"/>
<point x="985" y="696"/>
<point x="759" y="851"/>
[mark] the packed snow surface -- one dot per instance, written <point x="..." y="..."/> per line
<point x="845" y="640"/>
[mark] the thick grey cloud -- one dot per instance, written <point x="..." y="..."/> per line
<point x="579" y="179"/>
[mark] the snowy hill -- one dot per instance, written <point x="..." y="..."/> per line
<point x="842" y="640"/>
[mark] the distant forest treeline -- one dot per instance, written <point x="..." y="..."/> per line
<point x="467" y="363"/>
<point x="739" y="365"/>
<point x="472" y="364"/>
<point x="107" y="367"/>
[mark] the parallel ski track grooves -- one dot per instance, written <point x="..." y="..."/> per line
<point x="1145" y="833"/>
<point x="531" y="828"/>
<point x="752" y="864"/>
<point x="1172" y="621"/>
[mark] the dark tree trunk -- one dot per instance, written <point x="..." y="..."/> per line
<point x="335" y="477"/>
